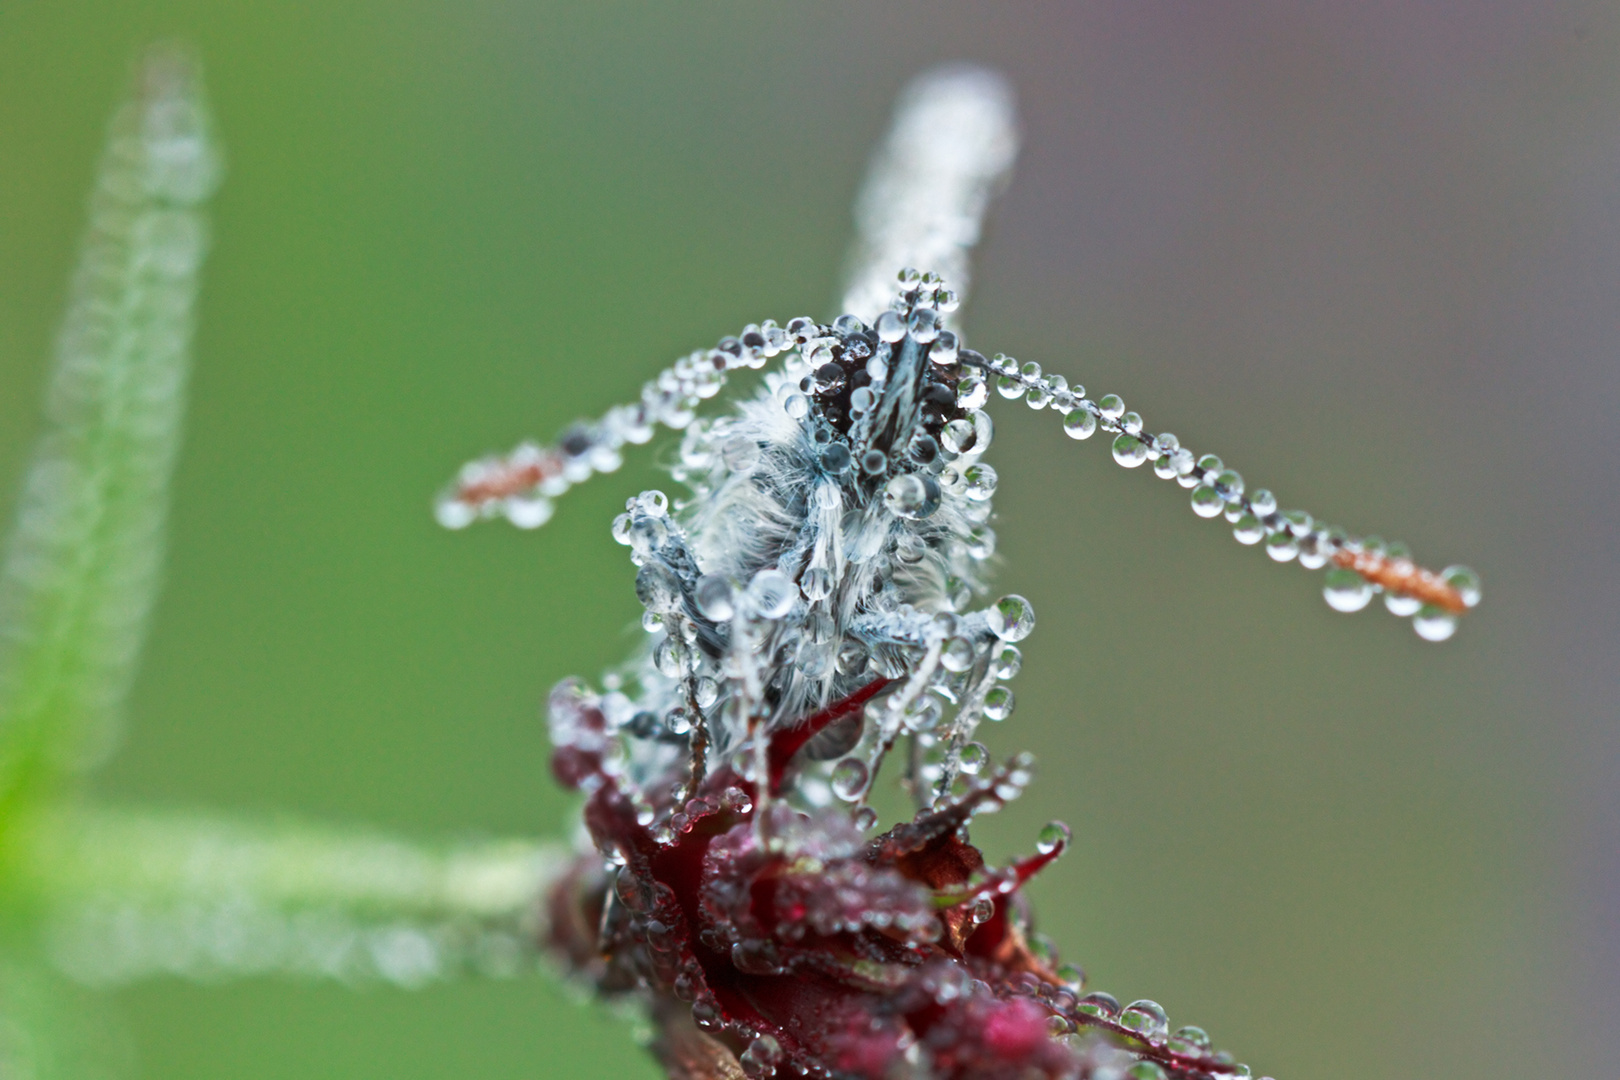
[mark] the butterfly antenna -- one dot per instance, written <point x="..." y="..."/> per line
<point x="521" y="485"/>
<point x="1358" y="567"/>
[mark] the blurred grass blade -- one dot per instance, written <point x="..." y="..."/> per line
<point x="52" y="1030"/>
<point x="82" y="566"/>
<point x="139" y="893"/>
<point x="951" y="147"/>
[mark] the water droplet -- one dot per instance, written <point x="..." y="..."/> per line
<point x="647" y="535"/>
<point x="653" y="503"/>
<point x="1206" y="503"/>
<point x="1465" y="581"/>
<point x="452" y="513"/>
<point x="1011" y="618"/>
<point x="912" y="496"/>
<point x="1263" y="502"/>
<point x="667" y="659"/>
<point x="1172" y="461"/>
<point x="852" y="658"/>
<point x="1038" y="396"/>
<point x="1146" y="1018"/>
<point x="1282" y="545"/>
<point x="713" y="598"/>
<point x="1129" y="451"/>
<point x="890" y="327"/>
<point x="740" y="453"/>
<point x="527" y="513"/>
<point x="1401" y="605"/>
<point x="1190" y="1040"/>
<point x="797" y="406"/>
<point x="1112" y="406"/>
<point x="1312" y="553"/>
<point x="829" y="378"/>
<point x="981" y="482"/>
<point x="998" y="703"/>
<point x="981" y="542"/>
<point x="1434" y="623"/>
<point x="878" y="365"/>
<point x="761" y="1057"/>
<point x="1009" y="386"/>
<point x="957" y="655"/>
<point x="973" y="758"/>
<point x="865" y="818"/>
<point x="771" y="593"/>
<point x="1345" y="590"/>
<point x="981" y="911"/>
<point x="1146" y="1070"/>
<point x="945" y="348"/>
<point x="632" y="891"/>
<point x="924" y="325"/>
<point x="678" y="721"/>
<point x="1080" y="424"/>
<point x="909" y="548"/>
<point x="706" y="1014"/>
<point x="706" y="692"/>
<point x="1248" y="530"/>
<point x="1008" y="660"/>
<point x="849" y="779"/>
<point x="835" y="459"/>
<point x="958" y="436"/>
<point x="1102" y="1006"/>
<point x="1054" y="836"/>
<point x="983" y="429"/>
<point x="861" y="400"/>
<point x="1228" y="485"/>
<point x="972" y="392"/>
<point x="924" y="449"/>
<point x="658" y="588"/>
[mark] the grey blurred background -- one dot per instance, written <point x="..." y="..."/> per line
<point x="1368" y="252"/>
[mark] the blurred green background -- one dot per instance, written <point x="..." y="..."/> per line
<point x="1368" y="252"/>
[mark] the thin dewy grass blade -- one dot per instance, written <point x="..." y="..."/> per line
<point x="951" y="148"/>
<point x="82" y="565"/>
